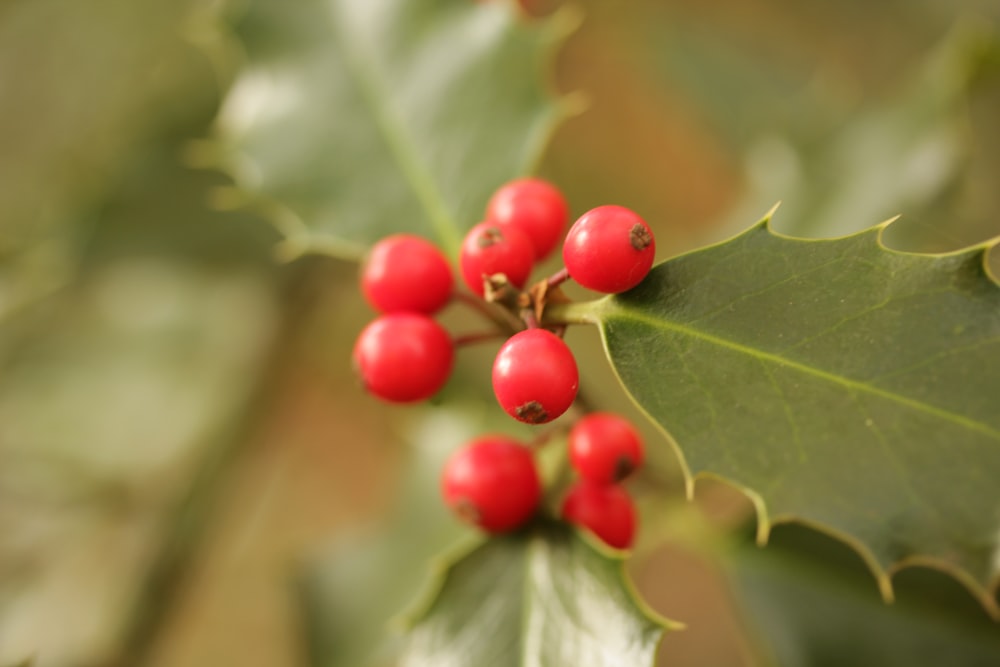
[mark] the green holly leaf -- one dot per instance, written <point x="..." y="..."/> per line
<point x="805" y="594"/>
<point x="838" y="160"/>
<point x="353" y="120"/>
<point x="837" y="382"/>
<point x="545" y="598"/>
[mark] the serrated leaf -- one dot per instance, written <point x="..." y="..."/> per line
<point x="365" y="118"/>
<point x="839" y="383"/>
<point x="539" y="599"/>
<point x="811" y="602"/>
<point x="838" y="160"/>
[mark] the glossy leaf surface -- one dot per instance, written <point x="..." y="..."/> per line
<point x="837" y="382"/>
<point x="359" y="119"/>
<point x="544" y="599"/>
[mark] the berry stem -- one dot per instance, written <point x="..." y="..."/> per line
<point x="558" y="278"/>
<point x="503" y="320"/>
<point x="585" y="312"/>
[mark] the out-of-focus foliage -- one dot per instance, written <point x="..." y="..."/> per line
<point x="855" y="135"/>
<point x="361" y="585"/>
<point x="355" y="120"/>
<point x="136" y="323"/>
<point x="811" y="599"/>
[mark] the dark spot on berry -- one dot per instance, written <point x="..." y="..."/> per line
<point x="490" y="236"/>
<point x="639" y="237"/>
<point x="623" y="468"/>
<point x="532" y="412"/>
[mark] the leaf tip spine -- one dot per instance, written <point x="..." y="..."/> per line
<point x="688" y="486"/>
<point x="766" y="220"/>
<point x="763" y="520"/>
<point x="885" y="589"/>
<point x="989" y="249"/>
<point x="879" y="230"/>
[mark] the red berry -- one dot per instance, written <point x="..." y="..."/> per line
<point x="609" y="249"/>
<point x="405" y="272"/>
<point x="489" y="249"/>
<point x="606" y="511"/>
<point x="533" y="206"/>
<point x="403" y="357"/>
<point x="605" y="448"/>
<point x="492" y="482"/>
<point x="535" y="376"/>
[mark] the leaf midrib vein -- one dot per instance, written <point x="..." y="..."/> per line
<point x="762" y="356"/>
<point x="373" y="94"/>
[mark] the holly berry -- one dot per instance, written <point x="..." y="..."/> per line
<point x="606" y="511"/>
<point x="533" y="206"/>
<point x="404" y="272"/>
<point x="609" y="249"/>
<point x="403" y="357"/>
<point x="493" y="483"/>
<point x="605" y="448"/>
<point x="489" y="249"/>
<point x="535" y="377"/>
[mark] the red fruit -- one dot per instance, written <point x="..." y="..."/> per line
<point x="403" y="357"/>
<point x="606" y="511"/>
<point x="406" y="273"/>
<point x="535" y="376"/>
<point x="609" y="249"/>
<point x="489" y="249"/>
<point x="533" y="206"/>
<point x="605" y="448"/>
<point x="492" y="482"/>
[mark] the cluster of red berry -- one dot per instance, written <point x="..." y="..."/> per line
<point x="493" y="481"/>
<point x="404" y="355"/>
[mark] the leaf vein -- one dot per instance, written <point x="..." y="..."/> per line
<point x="764" y="290"/>
<point x="938" y="357"/>
<point x="373" y="92"/>
<point x="789" y="415"/>
<point x="828" y="376"/>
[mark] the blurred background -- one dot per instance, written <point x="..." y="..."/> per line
<point x="189" y="474"/>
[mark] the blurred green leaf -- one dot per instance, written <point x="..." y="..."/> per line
<point x="361" y="119"/>
<point x="84" y="89"/>
<point x="837" y="382"/>
<point x="838" y="160"/>
<point x="109" y="392"/>
<point x="350" y="594"/>
<point x="811" y="602"/>
<point x="545" y="598"/>
<point x="910" y="155"/>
